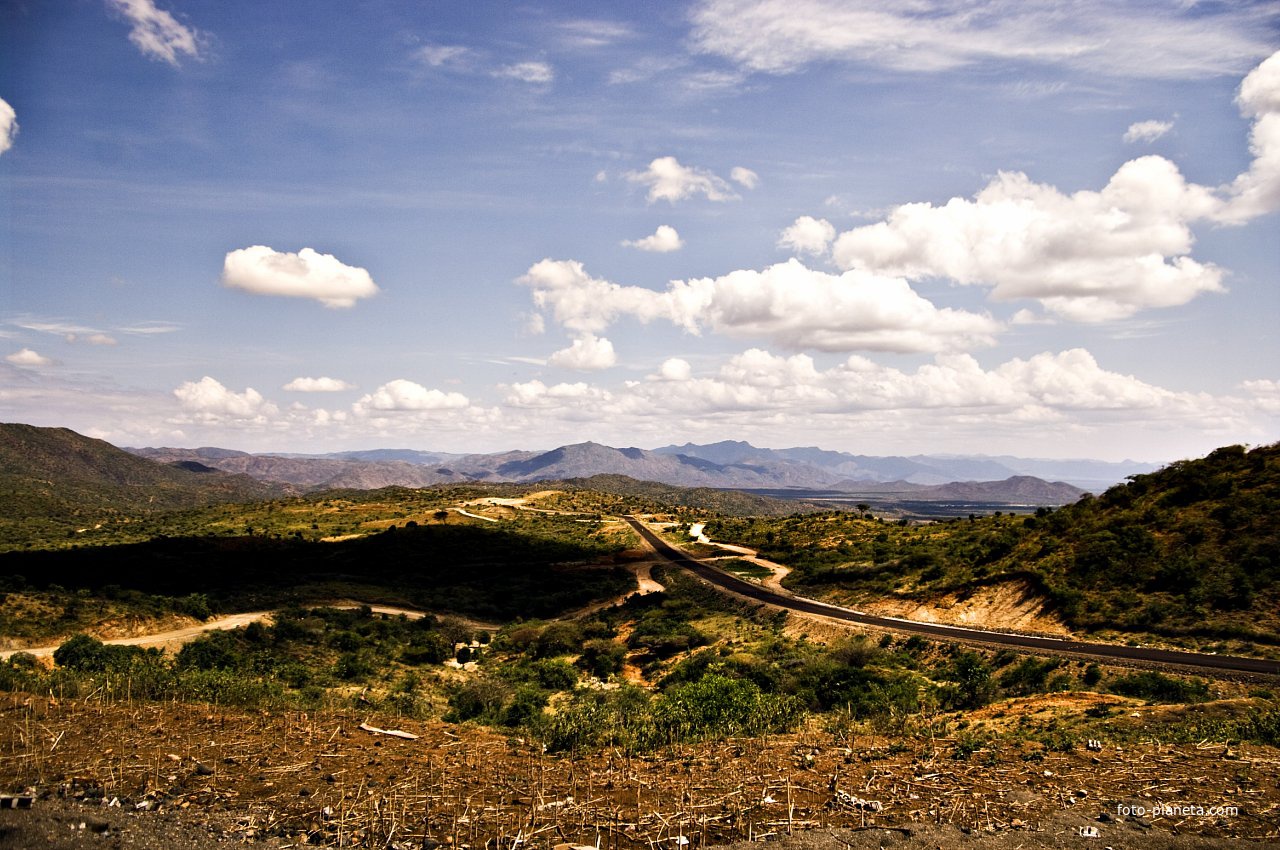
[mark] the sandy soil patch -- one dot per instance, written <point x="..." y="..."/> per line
<point x="1012" y="606"/>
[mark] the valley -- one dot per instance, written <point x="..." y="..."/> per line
<point x="602" y="630"/>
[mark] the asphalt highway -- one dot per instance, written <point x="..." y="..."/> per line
<point x="1142" y="656"/>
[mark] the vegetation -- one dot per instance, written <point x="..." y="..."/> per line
<point x="1190" y="550"/>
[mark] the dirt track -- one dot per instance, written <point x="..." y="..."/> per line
<point x="177" y="637"/>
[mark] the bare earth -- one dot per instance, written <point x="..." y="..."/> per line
<point x="191" y="773"/>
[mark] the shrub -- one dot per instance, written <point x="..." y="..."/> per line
<point x="602" y="658"/>
<point x="1158" y="687"/>
<point x="481" y="698"/>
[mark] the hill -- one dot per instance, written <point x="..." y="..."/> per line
<point x="56" y="479"/>
<point x="309" y="473"/>
<point x="1189" y="550"/>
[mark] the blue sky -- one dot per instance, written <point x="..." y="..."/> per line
<point x="1036" y="228"/>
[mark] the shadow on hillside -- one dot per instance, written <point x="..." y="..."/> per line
<point x="490" y="573"/>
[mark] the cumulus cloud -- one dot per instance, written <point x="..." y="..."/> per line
<point x="675" y="369"/>
<point x="538" y="73"/>
<point x="664" y="240"/>
<point x="27" y="357"/>
<point x="670" y="181"/>
<point x="306" y="274"/>
<point x="317" y="385"/>
<point x="588" y="353"/>
<point x="744" y="177"/>
<point x="931" y="36"/>
<point x="100" y="339"/>
<point x="536" y="394"/>
<point x="1257" y="191"/>
<point x="8" y="125"/>
<point x="407" y="395"/>
<point x="793" y="305"/>
<point x="1088" y="256"/>
<point x="207" y="399"/>
<point x="156" y="32"/>
<point x="808" y="235"/>
<point x="1068" y="392"/>
<point x="1147" y="131"/>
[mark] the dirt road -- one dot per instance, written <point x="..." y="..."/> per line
<point x="176" y="638"/>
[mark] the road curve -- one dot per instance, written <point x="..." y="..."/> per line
<point x="1129" y="654"/>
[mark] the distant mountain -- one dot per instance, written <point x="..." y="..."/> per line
<point x="724" y="465"/>
<point x="1020" y="489"/>
<point x="56" y="476"/>
<point x="583" y="460"/>
<point x="308" y="473"/>
<point x="1092" y="475"/>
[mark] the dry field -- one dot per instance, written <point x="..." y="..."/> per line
<point x="120" y="775"/>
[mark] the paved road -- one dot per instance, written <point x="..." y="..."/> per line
<point x="1107" y="651"/>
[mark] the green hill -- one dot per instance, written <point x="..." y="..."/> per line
<point x="1194" y="547"/>
<point x="54" y="481"/>
<point x="1190" y="550"/>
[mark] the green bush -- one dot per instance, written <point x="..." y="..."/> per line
<point x="602" y="657"/>
<point x="1158" y="687"/>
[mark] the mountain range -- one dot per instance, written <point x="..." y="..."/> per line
<point x="730" y="464"/>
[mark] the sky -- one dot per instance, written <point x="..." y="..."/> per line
<point x="1024" y="227"/>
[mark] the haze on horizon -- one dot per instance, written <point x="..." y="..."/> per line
<point x="1031" y="229"/>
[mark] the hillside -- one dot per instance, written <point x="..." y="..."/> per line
<point x="1194" y="546"/>
<point x="1190" y="550"/>
<point x="55" y="478"/>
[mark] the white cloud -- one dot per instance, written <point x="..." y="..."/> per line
<point x="793" y="305"/>
<point x="670" y="181"/>
<point x="1147" y="131"/>
<point x="306" y="274"/>
<point x="8" y="125"/>
<point x="664" y="240"/>
<point x="675" y="369"/>
<point x="317" y="385"/>
<point x="929" y="36"/>
<point x="592" y="34"/>
<point x="407" y="395"/>
<point x="150" y="328"/>
<point x="527" y="72"/>
<point x="1088" y="256"/>
<point x="808" y="235"/>
<point x="27" y="357"/>
<point x="207" y="399"/>
<point x="588" y="353"/>
<point x="100" y="339"/>
<point x="1066" y="394"/>
<point x="1257" y="191"/>
<point x="156" y="32"/>
<point x="535" y="394"/>
<point x="1265" y="393"/>
<point x="744" y="177"/>
<point x="443" y="55"/>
